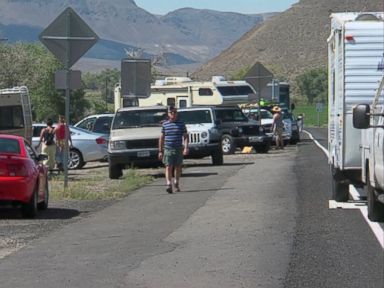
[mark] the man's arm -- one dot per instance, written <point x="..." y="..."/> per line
<point x="186" y="143"/>
<point x="161" y="146"/>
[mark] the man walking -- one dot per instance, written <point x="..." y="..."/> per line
<point x="173" y="144"/>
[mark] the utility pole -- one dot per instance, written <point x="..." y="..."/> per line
<point x="106" y="93"/>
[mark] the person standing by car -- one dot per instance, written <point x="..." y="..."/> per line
<point x="300" y="121"/>
<point x="173" y="144"/>
<point x="278" y="127"/>
<point x="60" y="131"/>
<point x="47" y="137"/>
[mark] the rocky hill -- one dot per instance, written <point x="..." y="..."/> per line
<point x="288" y="43"/>
<point x="190" y="35"/>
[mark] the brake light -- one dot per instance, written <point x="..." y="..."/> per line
<point x="101" y="140"/>
<point x="349" y="38"/>
<point x="13" y="170"/>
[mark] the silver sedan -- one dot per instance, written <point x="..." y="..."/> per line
<point x="87" y="146"/>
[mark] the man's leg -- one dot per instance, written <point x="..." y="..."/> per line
<point x="168" y="177"/>
<point x="177" y="177"/>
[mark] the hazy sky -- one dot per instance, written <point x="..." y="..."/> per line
<point x="162" y="7"/>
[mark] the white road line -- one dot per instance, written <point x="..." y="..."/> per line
<point x="376" y="228"/>
<point x="316" y="142"/>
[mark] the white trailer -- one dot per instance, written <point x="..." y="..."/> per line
<point x="15" y="112"/>
<point x="355" y="49"/>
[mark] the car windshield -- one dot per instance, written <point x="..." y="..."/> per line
<point x="195" y="116"/>
<point x="139" y="118"/>
<point x="9" y="146"/>
<point x="265" y="114"/>
<point x="286" y="115"/>
<point x="231" y="115"/>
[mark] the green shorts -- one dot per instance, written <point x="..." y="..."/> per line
<point x="173" y="156"/>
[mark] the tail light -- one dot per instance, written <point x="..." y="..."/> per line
<point x="101" y="140"/>
<point x="13" y="166"/>
<point x="18" y="169"/>
<point x="13" y="170"/>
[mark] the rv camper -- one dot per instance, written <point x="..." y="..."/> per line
<point x="15" y="112"/>
<point x="184" y="92"/>
<point x="355" y="49"/>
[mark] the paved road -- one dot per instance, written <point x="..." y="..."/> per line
<point x="257" y="221"/>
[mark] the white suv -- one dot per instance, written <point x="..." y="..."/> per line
<point x="134" y="139"/>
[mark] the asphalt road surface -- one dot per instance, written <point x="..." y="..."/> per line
<point x="260" y="220"/>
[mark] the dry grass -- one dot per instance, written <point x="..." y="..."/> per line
<point x="96" y="185"/>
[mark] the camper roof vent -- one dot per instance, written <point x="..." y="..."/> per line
<point x="367" y="17"/>
<point x="216" y="79"/>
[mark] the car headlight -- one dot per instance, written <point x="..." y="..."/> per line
<point x="117" y="145"/>
<point x="204" y="134"/>
<point x="240" y="129"/>
<point x="261" y="129"/>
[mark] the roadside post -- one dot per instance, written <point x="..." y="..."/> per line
<point x="319" y="109"/>
<point x="68" y="37"/>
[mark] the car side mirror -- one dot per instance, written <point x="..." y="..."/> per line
<point x="361" y="116"/>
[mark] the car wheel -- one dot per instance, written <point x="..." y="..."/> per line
<point x="217" y="157"/>
<point x="75" y="160"/>
<point x="115" y="171"/>
<point x="29" y="210"/>
<point x="44" y="205"/>
<point x="227" y="145"/>
<point x="375" y="208"/>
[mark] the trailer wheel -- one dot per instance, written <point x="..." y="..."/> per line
<point x="340" y="190"/>
<point x="375" y="208"/>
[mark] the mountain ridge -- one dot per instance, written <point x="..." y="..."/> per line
<point x="193" y="34"/>
<point x="287" y="44"/>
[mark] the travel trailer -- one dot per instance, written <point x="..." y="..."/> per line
<point x="15" y="112"/>
<point x="184" y="92"/>
<point x="355" y="51"/>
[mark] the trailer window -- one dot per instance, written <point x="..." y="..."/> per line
<point x="11" y="117"/>
<point x="171" y="102"/>
<point x="205" y="92"/>
<point x="235" y="90"/>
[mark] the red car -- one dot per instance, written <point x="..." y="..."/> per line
<point x="23" y="178"/>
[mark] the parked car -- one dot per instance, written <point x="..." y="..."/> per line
<point x="99" y="123"/>
<point x="23" y="178"/>
<point x="290" y="123"/>
<point x="87" y="146"/>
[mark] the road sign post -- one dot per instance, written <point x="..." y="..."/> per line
<point x="68" y="37"/>
<point x="319" y="109"/>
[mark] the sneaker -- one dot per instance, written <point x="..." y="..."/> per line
<point x="177" y="188"/>
<point x="169" y="189"/>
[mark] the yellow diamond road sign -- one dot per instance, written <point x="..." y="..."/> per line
<point x="68" y="37"/>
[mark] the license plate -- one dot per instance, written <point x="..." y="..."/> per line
<point x="253" y="139"/>
<point x="143" y="154"/>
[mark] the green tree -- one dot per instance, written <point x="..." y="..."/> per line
<point x="34" y="66"/>
<point x="313" y="85"/>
